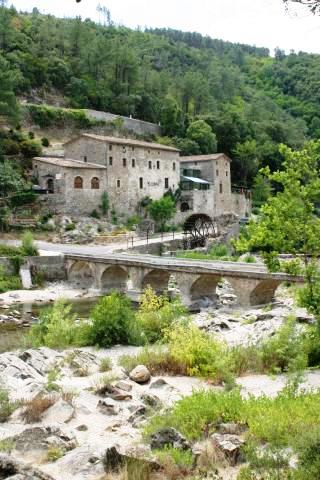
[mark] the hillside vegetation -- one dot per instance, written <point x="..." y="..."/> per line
<point x="208" y="94"/>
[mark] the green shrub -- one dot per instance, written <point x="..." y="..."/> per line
<point x="45" y="142"/>
<point x="23" y="198"/>
<point x="54" y="453"/>
<point x="10" y="283"/>
<point x="70" y="227"/>
<point x="180" y="458"/>
<point x="9" y="251"/>
<point x="308" y="449"/>
<point x="28" y="246"/>
<point x="156" y="314"/>
<point x="6" y="406"/>
<point x="249" y="259"/>
<point x="95" y="214"/>
<point x="112" y="321"/>
<point x="57" y="328"/>
<point x="105" y="364"/>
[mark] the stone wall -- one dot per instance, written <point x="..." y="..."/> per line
<point x="52" y="267"/>
<point x="137" y="126"/>
<point x="7" y="265"/>
<point x="241" y="204"/>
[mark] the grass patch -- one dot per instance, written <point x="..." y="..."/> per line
<point x="35" y="408"/>
<point x="54" y="453"/>
<point x="7" y="445"/>
<point x="7" y="407"/>
<point x="105" y="365"/>
<point x="217" y="252"/>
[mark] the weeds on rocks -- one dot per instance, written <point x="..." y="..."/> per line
<point x="7" y="407"/>
<point x="35" y="408"/>
<point x="54" y="453"/>
<point x="7" y="445"/>
<point x="105" y="365"/>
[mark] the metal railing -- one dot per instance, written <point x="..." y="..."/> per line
<point x="132" y="241"/>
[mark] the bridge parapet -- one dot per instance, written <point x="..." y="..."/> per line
<point x="253" y="284"/>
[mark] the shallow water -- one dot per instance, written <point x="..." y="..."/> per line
<point x="12" y="336"/>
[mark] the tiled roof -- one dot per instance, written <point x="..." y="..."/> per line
<point x="205" y="158"/>
<point x="68" y="163"/>
<point x="125" y="141"/>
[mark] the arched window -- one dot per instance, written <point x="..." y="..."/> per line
<point x="78" y="182"/>
<point x="95" y="183"/>
<point x="50" y="185"/>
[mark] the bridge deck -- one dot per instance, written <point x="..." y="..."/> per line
<point x="221" y="268"/>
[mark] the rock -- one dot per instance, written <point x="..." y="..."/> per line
<point x="33" y="443"/>
<point x="229" y="445"/>
<point x="151" y="400"/>
<point x="81" y="463"/>
<point x="140" y="374"/>
<point x="82" y="428"/>
<point x="231" y="428"/>
<point x="303" y="317"/>
<point x="108" y="407"/>
<point x="137" y="415"/>
<point x="113" y="460"/>
<point x="126" y="386"/>
<point x="159" y="383"/>
<point x="60" y="412"/>
<point x="113" y="392"/>
<point x="80" y="360"/>
<point x="11" y="468"/>
<point x="168" y="437"/>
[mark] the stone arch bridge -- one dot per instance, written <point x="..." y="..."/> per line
<point x="252" y="283"/>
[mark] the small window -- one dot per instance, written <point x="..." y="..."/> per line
<point x="118" y="184"/>
<point x="148" y="151"/>
<point x="78" y="182"/>
<point x="124" y="149"/>
<point x="226" y="174"/>
<point x="141" y="182"/>
<point x="110" y="147"/>
<point x="124" y="162"/>
<point x="158" y="165"/>
<point x="95" y="183"/>
<point x="158" y="153"/>
<point x="110" y="161"/>
<point x="133" y="149"/>
<point x="174" y="166"/>
<point x="166" y="183"/>
<point x="133" y="163"/>
<point x="217" y="173"/>
<point x="85" y="159"/>
<point x="150" y="165"/>
<point x="50" y="185"/>
<point x="221" y="189"/>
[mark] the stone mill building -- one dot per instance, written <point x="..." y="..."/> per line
<point x="130" y="170"/>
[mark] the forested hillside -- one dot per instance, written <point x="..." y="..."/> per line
<point x="207" y="94"/>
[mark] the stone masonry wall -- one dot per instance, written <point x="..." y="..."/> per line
<point x="137" y="126"/>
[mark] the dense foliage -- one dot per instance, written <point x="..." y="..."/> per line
<point x="207" y="94"/>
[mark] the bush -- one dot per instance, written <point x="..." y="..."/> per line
<point x="45" y="142"/>
<point x="28" y="246"/>
<point x="308" y="449"/>
<point x="23" y="198"/>
<point x="6" y="406"/>
<point x="112" y="321"/>
<point x="57" y="328"/>
<point x="35" y="408"/>
<point x="105" y="364"/>
<point x="70" y="227"/>
<point x="95" y="214"/>
<point x="157" y="314"/>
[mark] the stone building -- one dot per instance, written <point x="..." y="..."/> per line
<point x="135" y="169"/>
<point x="72" y="187"/>
<point x="130" y="170"/>
<point x="206" y="188"/>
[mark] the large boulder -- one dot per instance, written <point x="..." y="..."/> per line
<point x="168" y="437"/>
<point x="114" y="459"/>
<point x="140" y="374"/>
<point x="60" y="412"/>
<point x="229" y="445"/>
<point x="11" y="468"/>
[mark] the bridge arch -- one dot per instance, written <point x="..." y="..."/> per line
<point x="264" y="292"/>
<point x="204" y="286"/>
<point x="114" y="278"/>
<point x="157" y="279"/>
<point x="81" y="273"/>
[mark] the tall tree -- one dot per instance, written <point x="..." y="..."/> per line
<point x="8" y="105"/>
